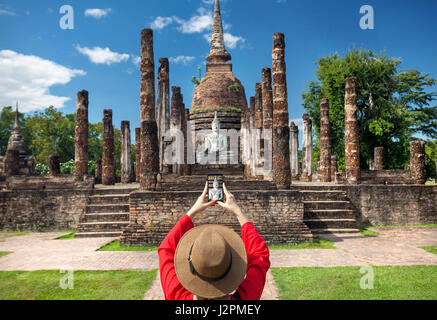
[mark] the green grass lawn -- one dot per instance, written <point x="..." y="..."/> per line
<point x="3" y="253"/>
<point x="68" y="236"/>
<point x="392" y="227"/>
<point x="88" y="285"/>
<point x="368" y="233"/>
<point x="318" y="243"/>
<point x="115" y="246"/>
<point x="432" y="249"/>
<point x="343" y="283"/>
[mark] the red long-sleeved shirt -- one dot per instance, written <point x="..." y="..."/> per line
<point x="258" y="263"/>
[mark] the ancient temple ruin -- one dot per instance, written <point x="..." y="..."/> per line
<point x="270" y="172"/>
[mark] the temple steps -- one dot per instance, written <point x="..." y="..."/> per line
<point x="327" y="209"/>
<point x="107" y="212"/>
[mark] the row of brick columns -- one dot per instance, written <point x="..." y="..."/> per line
<point x="268" y="111"/>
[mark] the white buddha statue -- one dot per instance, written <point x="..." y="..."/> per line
<point x="216" y="142"/>
<point x="216" y="194"/>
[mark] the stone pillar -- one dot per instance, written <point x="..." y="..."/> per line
<point x="378" y="158"/>
<point x="325" y="142"/>
<point x="125" y="157"/>
<point x="307" y="148"/>
<point x="281" y="131"/>
<point x="98" y="172"/>
<point x="108" y="162"/>
<point x="54" y="165"/>
<point x="186" y="167"/>
<point x="245" y="143"/>
<point x="176" y="119"/>
<point x="334" y="167"/>
<point x="258" y="106"/>
<point x="267" y="99"/>
<point x="352" y="143"/>
<point x="138" y="153"/>
<point x="417" y="161"/>
<point x="253" y="138"/>
<point x="81" y="135"/>
<point x="294" y="150"/>
<point x="267" y="106"/>
<point x="12" y="163"/>
<point x="149" y="129"/>
<point x="163" y="106"/>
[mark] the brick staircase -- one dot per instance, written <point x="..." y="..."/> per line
<point x="107" y="213"/>
<point x="328" y="210"/>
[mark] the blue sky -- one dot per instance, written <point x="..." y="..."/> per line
<point x="41" y="64"/>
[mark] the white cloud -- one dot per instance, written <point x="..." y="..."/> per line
<point x="136" y="60"/>
<point x="232" y="41"/>
<point x="208" y="1"/>
<point x="7" y="13"/>
<point x="161" y="22"/>
<point x="198" y="23"/>
<point x="97" y="13"/>
<point x="182" y="59"/>
<point x="27" y="79"/>
<point x="103" y="55"/>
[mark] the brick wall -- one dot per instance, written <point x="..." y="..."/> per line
<point x="398" y="205"/>
<point x="278" y="215"/>
<point x="43" y="203"/>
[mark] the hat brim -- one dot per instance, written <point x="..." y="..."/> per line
<point x="211" y="289"/>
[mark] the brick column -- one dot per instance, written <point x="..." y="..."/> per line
<point x="307" y="148"/>
<point x="253" y="137"/>
<point x="54" y="165"/>
<point x="267" y="106"/>
<point x="258" y="106"/>
<point x="163" y="106"/>
<point x="81" y="135"/>
<point x="325" y="142"/>
<point x="378" y="158"/>
<point x="125" y="156"/>
<point x="334" y="167"/>
<point x="281" y="131"/>
<point x="352" y="143"/>
<point x="186" y="119"/>
<point x="176" y="119"/>
<point x="149" y="129"/>
<point x="138" y="153"/>
<point x="245" y="143"/>
<point x="294" y="150"/>
<point x="98" y="172"/>
<point x="417" y="161"/>
<point x="108" y="162"/>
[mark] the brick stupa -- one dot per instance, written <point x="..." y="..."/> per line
<point x="219" y="90"/>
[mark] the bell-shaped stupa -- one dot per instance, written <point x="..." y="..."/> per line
<point x="219" y="90"/>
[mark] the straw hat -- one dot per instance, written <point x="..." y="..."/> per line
<point x="211" y="261"/>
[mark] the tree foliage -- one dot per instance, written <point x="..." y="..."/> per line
<point x="393" y="104"/>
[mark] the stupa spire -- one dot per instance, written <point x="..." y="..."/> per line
<point x="17" y="123"/>
<point x="218" y="52"/>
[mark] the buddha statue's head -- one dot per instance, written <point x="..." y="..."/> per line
<point x="216" y="124"/>
<point x="215" y="183"/>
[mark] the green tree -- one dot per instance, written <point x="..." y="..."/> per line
<point x="393" y="104"/>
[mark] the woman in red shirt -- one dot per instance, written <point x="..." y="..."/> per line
<point x="251" y="279"/>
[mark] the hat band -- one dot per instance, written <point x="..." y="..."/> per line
<point x="194" y="271"/>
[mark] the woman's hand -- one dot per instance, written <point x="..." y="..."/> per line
<point x="201" y="204"/>
<point x="231" y="205"/>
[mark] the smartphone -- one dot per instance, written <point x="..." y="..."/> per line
<point x="215" y="187"/>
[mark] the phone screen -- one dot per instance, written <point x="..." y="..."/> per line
<point x="215" y="187"/>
